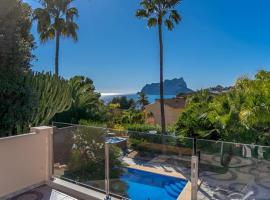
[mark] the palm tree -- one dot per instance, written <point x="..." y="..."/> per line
<point x="160" y="12"/>
<point x="56" y="19"/>
<point x="143" y="100"/>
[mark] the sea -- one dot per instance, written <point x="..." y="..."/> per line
<point x="107" y="97"/>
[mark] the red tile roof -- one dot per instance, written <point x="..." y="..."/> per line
<point x="175" y="102"/>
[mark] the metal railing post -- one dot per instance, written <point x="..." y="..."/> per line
<point x="52" y="152"/>
<point x="107" y="172"/>
<point x="194" y="177"/>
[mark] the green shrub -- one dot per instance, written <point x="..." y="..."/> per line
<point x="145" y="128"/>
<point x="92" y="123"/>
<point x="88" y="161"/>
<point x="86" y="103"/>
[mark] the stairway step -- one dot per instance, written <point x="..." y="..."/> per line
<point x="171" y="192"/>
<point x="180" y="185"/>
<point x="175" y="188"/>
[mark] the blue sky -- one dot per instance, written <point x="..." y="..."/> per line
<point x="216" y="42"/>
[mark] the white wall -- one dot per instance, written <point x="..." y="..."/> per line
<point x="25" y="160"/>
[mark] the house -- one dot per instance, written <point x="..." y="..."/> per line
<point x="173" y="107"/>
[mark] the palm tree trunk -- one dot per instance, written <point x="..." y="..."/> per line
<point x="162" y="112"/>
<point x="57" y="53"/>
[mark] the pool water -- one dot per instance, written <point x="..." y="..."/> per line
<point x="115" y="140"/>
<point x="144" y="185"/>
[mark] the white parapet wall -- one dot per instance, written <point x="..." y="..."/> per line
<point x="25" y="161"/>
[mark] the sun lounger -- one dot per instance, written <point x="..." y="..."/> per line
<point x="222" y="194"/>
<point x="241" y="197"/>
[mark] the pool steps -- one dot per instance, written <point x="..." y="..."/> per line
<point x="174" y="189"/>
<point x="180" y="185"/>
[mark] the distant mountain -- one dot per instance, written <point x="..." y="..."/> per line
<point x="171" y="87"/>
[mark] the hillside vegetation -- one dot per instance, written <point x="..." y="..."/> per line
<point x="241" y="114"/>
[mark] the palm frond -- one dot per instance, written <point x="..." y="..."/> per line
<point x="71" y="12"/>
<point x="141" y="13"/>
<point x="43" y="19"/>
<point x="56" y="15"/>
<point x="62" y="5"/>
<point x="48" y="34"/>
<point x="169" y="24"/>
<point x="163" y="13"/>
<point x="175" y="16"/>
<point x="148" y="4"/>
<point x="159" y="9"/>
<point x="70" y="30"/>
<point x="171" y="3"/>
<point x="59" y="24"/>
<point x="152" y="22"/>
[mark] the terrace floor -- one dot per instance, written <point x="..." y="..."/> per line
<point x="243" y="175"/>
<point x="43" y="193"/>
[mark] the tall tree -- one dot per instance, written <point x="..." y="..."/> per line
<point x="56" y="19"/>
<point x="143" y="100"/>
<point x="16" y="45"/>
<point x="160" y="12"/>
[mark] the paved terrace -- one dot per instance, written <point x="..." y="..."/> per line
<point x="243" y="175"/>
<point x="43" y="193"/>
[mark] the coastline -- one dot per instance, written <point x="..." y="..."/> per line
<point x="107" y="97"/>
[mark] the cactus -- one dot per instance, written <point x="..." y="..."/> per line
<point x="53" y="95"/>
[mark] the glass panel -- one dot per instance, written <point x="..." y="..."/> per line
<point x="233" y="170"/>
<point x="155" y="166"/>
<point x="79" y="154"/>
<point x="148" y="166"/>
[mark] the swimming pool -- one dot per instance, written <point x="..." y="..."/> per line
<point x="144" y="185"/>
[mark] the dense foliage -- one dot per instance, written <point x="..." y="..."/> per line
<point x="143" y="128"/>
<point x="86" y="103"/>
<point x="16" y="40"/>
<point x="123" y="102"/>
<point x="16" y="45"/>
<point x="131" y="117"/>
<point x="241" y="114"/>
<point x="88" y="161"/>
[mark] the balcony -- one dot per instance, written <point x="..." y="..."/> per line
<point x="83" y="162"/>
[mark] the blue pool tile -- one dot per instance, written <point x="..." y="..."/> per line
<point x="144" y="185"/>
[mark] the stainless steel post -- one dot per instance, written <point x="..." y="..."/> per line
<point x="194" y="177"/>
<point x="107" y="171"/>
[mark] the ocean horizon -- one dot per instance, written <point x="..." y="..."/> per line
<point x="107" y="97"/>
